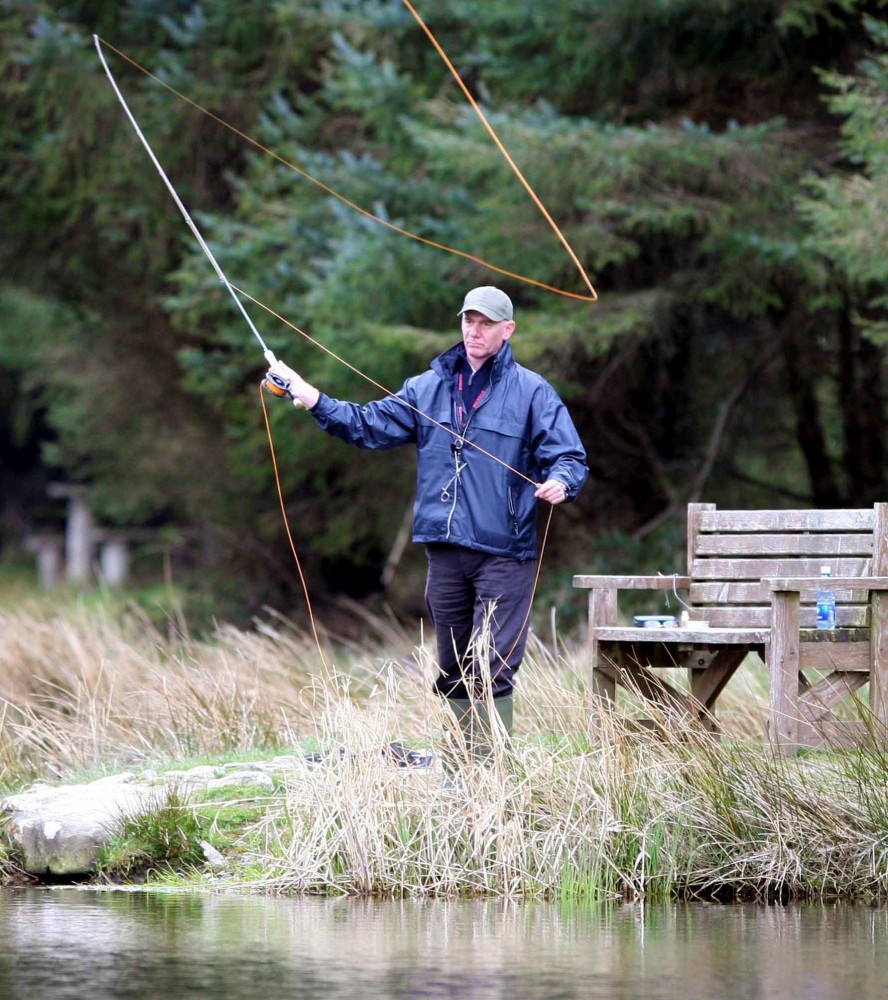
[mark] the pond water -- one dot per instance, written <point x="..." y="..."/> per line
<point x="57" y="944"/>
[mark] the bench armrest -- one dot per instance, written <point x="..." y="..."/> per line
<point x="799" y="583"/>
<point x="633" y="582"/>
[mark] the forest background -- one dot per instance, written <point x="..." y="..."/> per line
<point x="720" y="167"/>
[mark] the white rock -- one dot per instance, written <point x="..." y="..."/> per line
<point x="253" y="778"/>
<point x="203" y="772"/>
<point x="59" y="830"/>
<point x="214" y="857"/>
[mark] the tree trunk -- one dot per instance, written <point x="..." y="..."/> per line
<point x="802" y="373"/>
<point x="860" y="381"/>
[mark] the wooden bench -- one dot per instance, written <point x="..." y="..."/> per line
<point x="752" y="576"/>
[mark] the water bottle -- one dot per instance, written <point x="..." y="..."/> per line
<point x="826" y="603"/>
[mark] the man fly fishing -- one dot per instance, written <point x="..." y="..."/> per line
<point x="493" y="438"/>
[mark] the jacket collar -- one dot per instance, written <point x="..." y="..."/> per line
<point x="446" y="365"/>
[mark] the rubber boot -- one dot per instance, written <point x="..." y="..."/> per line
<point x="474" y="722"/>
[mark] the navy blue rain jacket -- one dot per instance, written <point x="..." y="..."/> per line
<point x="463" y="496"/>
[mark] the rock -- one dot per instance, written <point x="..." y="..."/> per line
<point x="214" y="857"/>
<point x="287" y="763"/>
<point x="60" y="830"/>
<point x="257" y="779"/>
<point x="202" y="773"/>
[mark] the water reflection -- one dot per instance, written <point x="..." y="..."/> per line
<point x="68" y="943"/>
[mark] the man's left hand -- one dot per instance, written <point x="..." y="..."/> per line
<point x="553" y="491"/>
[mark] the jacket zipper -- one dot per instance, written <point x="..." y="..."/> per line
<point x="457" y="446"/>
<point x="512" y="511"/>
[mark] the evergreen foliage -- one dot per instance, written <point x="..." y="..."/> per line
<point x="719" y="167"/>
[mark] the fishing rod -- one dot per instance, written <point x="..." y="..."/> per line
<point x="273" y="382"/>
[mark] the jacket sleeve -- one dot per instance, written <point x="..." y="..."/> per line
<point x="556" y="446"/>
<point x="383" y="423"/>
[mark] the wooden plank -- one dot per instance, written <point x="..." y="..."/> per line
<point x="737" y="616"/>
<point x="880" y="540"/>
<point x="633" y="582"/>
<point x="847" y="656"/>
<point x="708" y="684"/>
<point x="698" y="663"/>
<point x="731" y="592"/>
<point x="688" y="636"/>
<point x="837" y="734"/>
<point x="756" y="569"/>
<point x="728" y="592"/>
<point x="862" y="519"/>
<point x="847" y="616"/>
<point x="780" y="582"/>
<point x="636" y="677"/>
<point x="602" y="611"/>
<point x="783" y="669"/>
<point x="649" y="686"/>
<point x="608" y="674"/>
<point x="656" y="655"/>
<point x="692" y="532"/>
<point x="820" y="699"/>
<point x="845" y="544"/>
<point x="879" y="614"/>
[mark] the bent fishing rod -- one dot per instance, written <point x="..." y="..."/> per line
<point x="273" y="382"/>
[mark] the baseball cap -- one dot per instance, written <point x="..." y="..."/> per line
<point x="490" y="301"/>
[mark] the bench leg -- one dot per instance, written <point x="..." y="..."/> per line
<point x="709" y="672"/>
<point x="602" y="611"/>
<point x="783" y="670"/>
<point x="879" y="664"/>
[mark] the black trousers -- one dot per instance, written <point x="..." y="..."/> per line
<point x="479" y="606"/>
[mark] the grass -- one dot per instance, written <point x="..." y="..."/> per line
<point x="581" y="806"/>
<point x="182" y="834"/>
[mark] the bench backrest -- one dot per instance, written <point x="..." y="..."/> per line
<point x="730" y="551"/>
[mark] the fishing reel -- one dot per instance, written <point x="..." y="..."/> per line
<point x="280" y="386"/>
<point x="277" y="385"/>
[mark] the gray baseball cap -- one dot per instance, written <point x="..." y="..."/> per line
<point x="489" y="301"/>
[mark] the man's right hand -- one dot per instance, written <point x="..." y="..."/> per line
<point x="300" y="391"/>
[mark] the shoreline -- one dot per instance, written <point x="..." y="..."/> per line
<point x="584" y="804"/>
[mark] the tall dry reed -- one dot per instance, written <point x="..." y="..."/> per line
<point x="90" y="691"/>
<point x="589" y="807"/>
<point x="580" y="804"/>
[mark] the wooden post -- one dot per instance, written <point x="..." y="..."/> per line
<point x="602" y="611"/>
<point x="879" y="658"/>
<point x="783" y="668"/>
<point x="79" y="531"/>
<point x="879" y="621"/>
<point x="693" y="530"/>
<point x="114" y="561"/>
<point x="79" y="540"/>
<point x="48" y="549"/>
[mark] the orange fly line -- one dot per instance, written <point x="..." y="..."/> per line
<point x="590" y="297"/>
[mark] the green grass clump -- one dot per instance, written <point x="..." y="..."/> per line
<point x="165" y="838"/>
<point x="180" y="835"/>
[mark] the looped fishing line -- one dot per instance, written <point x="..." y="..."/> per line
<point x="591" y="297"/>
